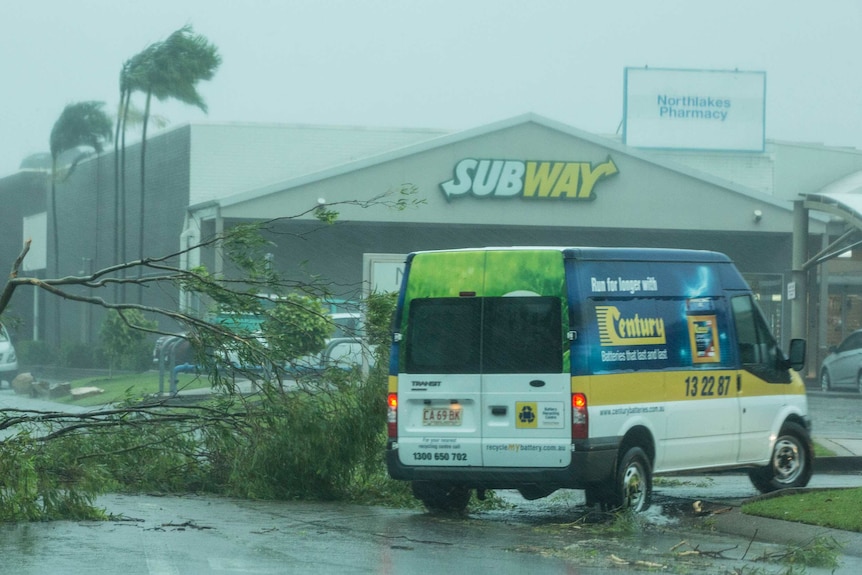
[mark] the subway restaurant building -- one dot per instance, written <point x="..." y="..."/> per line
<point x="532" y="181"/>
<point x="527" y="180"/>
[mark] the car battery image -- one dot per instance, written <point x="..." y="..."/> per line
<point x="703" y="331"/>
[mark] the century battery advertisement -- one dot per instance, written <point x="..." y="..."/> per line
<point x="653" y="316"/>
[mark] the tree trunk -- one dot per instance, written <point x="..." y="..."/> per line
<point x="143" y="190"/>
<point x="121" y="118"/>
<point x="55" y="337"/>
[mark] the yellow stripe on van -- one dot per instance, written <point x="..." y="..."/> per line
<point x="613" y="389"/>
<point x="393" y="384"/>
<point x="753" y="386"/>
<point x="684" y="385"/>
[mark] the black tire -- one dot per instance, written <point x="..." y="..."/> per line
<point x="632" y="485"/>
<point x="791" y="463"/>
<point x="597" y="495"/>
<point x="438" y="497"/>
<point x="825" y="381"/>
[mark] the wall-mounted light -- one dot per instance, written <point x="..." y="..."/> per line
<point x="758" y="215"/>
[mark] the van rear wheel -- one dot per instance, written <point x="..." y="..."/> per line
<point x="633" y="486"/>
<point x="439" y="497"/>
<point x="630" y="488"/>
<point x="791" y="463"/>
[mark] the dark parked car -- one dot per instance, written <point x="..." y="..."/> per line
<point x="843" y="366"/>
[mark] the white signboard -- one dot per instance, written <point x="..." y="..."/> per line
<point x="381" y="273"/>
<point x="36" y="230"/>
<point x="694" y="109"/>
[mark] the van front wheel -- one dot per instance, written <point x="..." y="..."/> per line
<point x="791" y="463"/>
<point x="438" y="497"/>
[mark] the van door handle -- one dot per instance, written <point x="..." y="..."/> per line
<point x="537" y="383"/>
<point x="498" y="410"/>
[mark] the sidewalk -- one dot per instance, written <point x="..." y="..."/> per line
<point x="847" y="460"/>
<point x="841" y="447"/>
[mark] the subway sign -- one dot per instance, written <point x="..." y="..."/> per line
<point x="541" y="180"/>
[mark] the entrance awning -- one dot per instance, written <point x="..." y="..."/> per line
<point x="843" y="199"/>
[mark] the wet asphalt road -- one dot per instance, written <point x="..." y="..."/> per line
<point x="188" y="535"/>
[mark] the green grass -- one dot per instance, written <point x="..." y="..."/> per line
<point x="120" y="387"/>
<point x="836" y="508"/>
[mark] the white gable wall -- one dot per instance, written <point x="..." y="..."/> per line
<point x="642" y="195"/>
<point x="230" y="158"/>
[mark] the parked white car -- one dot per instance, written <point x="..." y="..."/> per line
<point x="8" y="358"/>
<point x="843" y="366"/>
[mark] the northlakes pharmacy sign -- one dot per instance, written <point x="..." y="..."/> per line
<point x="694" y="109"/>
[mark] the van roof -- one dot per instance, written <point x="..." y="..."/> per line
<point x="608" y="253"/>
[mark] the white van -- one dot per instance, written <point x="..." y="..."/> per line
<point x="538" y="369"/>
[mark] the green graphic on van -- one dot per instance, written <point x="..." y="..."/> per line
<point x="486" y="274"/>
<point x="509" y="303"/>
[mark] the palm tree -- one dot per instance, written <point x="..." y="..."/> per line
<point x="82" y="124"/>
<point x="127" y="114"/>
<point x="170" y="69"/>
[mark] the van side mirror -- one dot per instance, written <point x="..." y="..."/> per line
<point x="796" y="356"/>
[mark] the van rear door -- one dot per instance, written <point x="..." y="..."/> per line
<point x="526" y="422"/>
<point x="439" y="387"/>
<point x="483" y="378"/>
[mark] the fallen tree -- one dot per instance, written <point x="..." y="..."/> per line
<point x="321" y="436"/>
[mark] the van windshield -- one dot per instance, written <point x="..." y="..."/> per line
<point x="485" y="335"/>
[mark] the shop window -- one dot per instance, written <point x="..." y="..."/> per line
<point x="768" y="293"/>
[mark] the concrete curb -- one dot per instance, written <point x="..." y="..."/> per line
<point x="843" y="464"/>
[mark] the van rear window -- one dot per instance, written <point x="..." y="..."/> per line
<point x="485" y="335"/>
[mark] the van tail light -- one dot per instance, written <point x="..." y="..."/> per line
<point x="580" y="419"/>
<point x="392" y="415"/>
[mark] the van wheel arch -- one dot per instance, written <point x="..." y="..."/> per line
<point x="641" y="437"/>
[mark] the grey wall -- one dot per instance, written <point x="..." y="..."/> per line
<point x="22" y="194"/>
<point x="88" y="226"/>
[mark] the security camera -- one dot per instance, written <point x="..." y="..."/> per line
<point x="758" y="215"/>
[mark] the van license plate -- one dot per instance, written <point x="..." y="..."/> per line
<point x="441" y="416"/>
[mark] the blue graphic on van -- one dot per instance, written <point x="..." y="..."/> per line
<point x="646" y="317"/>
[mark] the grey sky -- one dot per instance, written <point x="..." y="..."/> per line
<point x="441" y="64"/>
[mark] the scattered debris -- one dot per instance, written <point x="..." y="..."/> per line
<point x="82" y="392"/>
<point x="187" y="524"/>
<point x="648" y="564"/>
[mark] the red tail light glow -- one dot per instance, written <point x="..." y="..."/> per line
<point x="392" y="415"/>
<point x="580" y="419"/>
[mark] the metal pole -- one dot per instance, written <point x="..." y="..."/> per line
<point x="799" y="308"/>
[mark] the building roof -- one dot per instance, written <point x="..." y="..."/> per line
<point x="451" y="138"/>
<point x="228" y="158"/>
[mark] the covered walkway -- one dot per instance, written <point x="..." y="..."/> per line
<point x="842" y="200"/>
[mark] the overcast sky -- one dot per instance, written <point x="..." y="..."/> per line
<point x="440" y="64"/>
